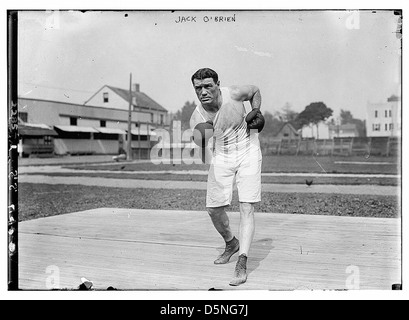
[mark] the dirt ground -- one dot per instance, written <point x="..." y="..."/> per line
<point x="42" y="200"/>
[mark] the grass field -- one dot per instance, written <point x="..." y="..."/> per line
<point x="40" y="200"/>
<point x="271" y="164"/>
<point x="279" y="179"/>
<point x="299" y="164"/>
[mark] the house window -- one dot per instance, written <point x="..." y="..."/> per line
<point x="386" y="127"/>
<point x="105" y="95"/>
<point x="376" y="113"/>
<point x="47" y="140"/>
<point x="23" y="116"/>
<point x="151" y="117"/>
<point x="386" y="113"/>
<point x="390" y="113"/>
<point x="136" y="125"/>
<point x="73" y="121"/>
<point x="286" y="135"/>
<point x="102" y="123"/>
<point x="161" y="119"/>
<point x="376" y="127"/>
<point x="391" y="126"/>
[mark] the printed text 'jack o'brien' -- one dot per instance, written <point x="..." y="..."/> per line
<point x="189" y="19"/>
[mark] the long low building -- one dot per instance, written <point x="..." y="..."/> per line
<point x="97" y="127"/>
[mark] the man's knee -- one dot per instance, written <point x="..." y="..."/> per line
<point x="214" y="212"/>
<point x="246" y="208"/>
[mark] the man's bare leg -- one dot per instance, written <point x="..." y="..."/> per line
<point x="246" y="234"/>
<point x="221" y="223"/>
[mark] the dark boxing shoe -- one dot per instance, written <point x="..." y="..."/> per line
<point x="231" y="248"/>
<point x="240" y="273"/>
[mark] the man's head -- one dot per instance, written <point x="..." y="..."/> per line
<point x="205" y="73"/>
<point x="206" y="83"/>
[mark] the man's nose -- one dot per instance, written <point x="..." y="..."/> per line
<point x="204" y="92"/>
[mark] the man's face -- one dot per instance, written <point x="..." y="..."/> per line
<point x="206" y="90"/>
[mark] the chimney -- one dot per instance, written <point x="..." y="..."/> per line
<point x="135" y="87"/>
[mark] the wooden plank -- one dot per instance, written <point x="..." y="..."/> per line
<point x="151" y="249"/>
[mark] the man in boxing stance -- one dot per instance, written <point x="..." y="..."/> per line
<point x="234" y="154"/>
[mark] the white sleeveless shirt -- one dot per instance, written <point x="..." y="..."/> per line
<point x="230" y="127"/>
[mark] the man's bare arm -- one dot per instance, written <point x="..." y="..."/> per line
<point x="247" y="93"/>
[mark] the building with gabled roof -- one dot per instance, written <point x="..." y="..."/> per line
<point x="100" y="125"/>
<point x="288" y="132"/>
<point x="112" y="97"/>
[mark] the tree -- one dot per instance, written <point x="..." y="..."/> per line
<point x="360" y="126"/>
<point x="272" y="124"/>
<point x="286" y="114"/>
<point x="184" y="115"/>
<point x="314" y="113"/>
<point x="346" y="116"/>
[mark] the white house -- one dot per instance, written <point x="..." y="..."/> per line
<point x="149" y="111"/>
<point x="311" y="131"/>
<point x="348" y="130"/>
<point x="384" y="119"/>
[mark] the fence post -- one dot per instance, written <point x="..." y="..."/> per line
<point x="369" y="145"/>
<point x="314" y="147"/>
<point x="298" y="147"/>
<point x="333" y="146"/>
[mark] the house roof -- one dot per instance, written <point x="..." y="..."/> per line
<point x="393" y="98"/>
<point x="142" y="100"/>
<point x="25" y="129"/>
<point x="111" y="130"/>
<point x="296" y="125"/>
<point x="76" y="129"/>
<point x="290" y="126"/>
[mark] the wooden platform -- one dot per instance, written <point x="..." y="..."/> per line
<point x="132" y="249"/>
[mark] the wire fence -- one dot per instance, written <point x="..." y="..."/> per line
<point x="380" y="146"/>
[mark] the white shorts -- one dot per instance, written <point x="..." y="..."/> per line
<point x="245" y="167"/>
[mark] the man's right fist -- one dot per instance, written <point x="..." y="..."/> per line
<point x="202" y="133"/>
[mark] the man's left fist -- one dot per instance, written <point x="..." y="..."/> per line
<point x="255" y="120"/>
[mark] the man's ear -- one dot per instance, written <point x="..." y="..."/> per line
<point x="218" y="83"/>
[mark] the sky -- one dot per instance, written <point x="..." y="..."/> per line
<point x="342" y="58"/>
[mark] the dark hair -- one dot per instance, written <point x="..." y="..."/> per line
<point x="205" y="73"/>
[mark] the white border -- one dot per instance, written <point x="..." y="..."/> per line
<point x="198" y="295"/>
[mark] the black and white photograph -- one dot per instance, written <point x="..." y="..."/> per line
<point x="205" y="150"/>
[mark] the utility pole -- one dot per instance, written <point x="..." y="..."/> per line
<point x="129" y="145"/>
